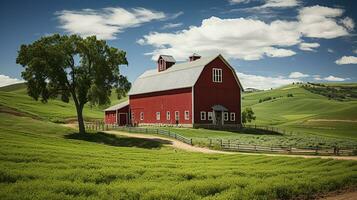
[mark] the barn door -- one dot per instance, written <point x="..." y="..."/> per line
<point x="123" y="119"/>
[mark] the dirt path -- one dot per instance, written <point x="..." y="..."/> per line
<point x="344" y="196"/>
<point x="183" y="146"/>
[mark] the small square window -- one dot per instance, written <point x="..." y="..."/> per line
<point x="187" y="115"/>
<point x="210" y="116"/>
<point x="203" y="115"/>
<point x="157" y="115"/>
<point x="233" y="116"/>
<point x="141" y="116"/>
<point x="225" y="115"/>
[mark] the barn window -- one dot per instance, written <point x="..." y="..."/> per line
<point x="233" y="116"/>
<point x="157" y="115"/>
<point x="217" y="75"/>
<point x="210" y="115"/>
<point x="167" y="115"/>
<point x="177" y="115"/>
<point x="187" y="115"/>
<point x="141" y="115"/>
<point x="225" y="115"/>
<point x="203" y="115"/>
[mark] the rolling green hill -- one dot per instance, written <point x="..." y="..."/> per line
<point x="304" y="111"/>
<point x="15" y="97"/>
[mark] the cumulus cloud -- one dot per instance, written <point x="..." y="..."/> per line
<point x="105" y="23"/>
<point x="246" y="38"/>
<point x="298" y="75"/>
<point x="238" y="1"/>
<point x="280" y="3"/>
<point x="6" y="80"/>
<point x="330" y="50"/>
<point x="320" y="22"/>
<point x="346" y="60"/>
<point x="241" y="38"/>
<point x="264" y="82"/>
<point x="329" y="78"/>
<point x="348" y="23"/>
<point x="334" y="78"/>
<point x="308" y="46"/>
<point x="171" y="25"/>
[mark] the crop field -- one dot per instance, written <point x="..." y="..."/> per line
<point x="43" y="160"/>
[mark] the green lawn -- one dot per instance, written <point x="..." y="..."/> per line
<point x="39" y="161"/>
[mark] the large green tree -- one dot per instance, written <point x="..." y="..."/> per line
<point x="85" y="69"/>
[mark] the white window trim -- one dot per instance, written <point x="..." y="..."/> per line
<point x="203" y="115"/>
<point x="225" y="116"/>
<point x="187" y="115"/>
<point x="168" y="115"/>
<point x="141" y="116"/>
<point x="158" y="115"/>
<point x="217" y="75"/>
<point x="233" y="116"/>
<point x="177" y="115"/>
<point x="210" y="116"/>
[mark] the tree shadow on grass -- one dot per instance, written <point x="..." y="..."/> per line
<point x="119" y="141"/>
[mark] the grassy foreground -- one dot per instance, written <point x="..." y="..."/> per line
<point x="38" y="160"/>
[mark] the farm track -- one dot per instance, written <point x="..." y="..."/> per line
<point x="183" y="146"/>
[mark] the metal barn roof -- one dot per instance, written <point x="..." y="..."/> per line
<point x="178" y="76"/>
<point x="118" y="106"/>
<point x="168" y="58"/>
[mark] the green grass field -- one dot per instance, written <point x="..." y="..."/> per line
<point x="15" y="97"/>
<point x="305" y="112"/>
<point x="39" y="161"/>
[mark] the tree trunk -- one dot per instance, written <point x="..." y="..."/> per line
<point x="79" y="109"/>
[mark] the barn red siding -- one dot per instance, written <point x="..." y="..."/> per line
<point x="111" y="118"/>
<point x="208" y="93"/>
<point x="172" y="100"/>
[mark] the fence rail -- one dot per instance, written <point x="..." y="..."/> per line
<point x="232" y="145"/>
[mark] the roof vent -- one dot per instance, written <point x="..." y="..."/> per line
<point x="194" y="57"/>
<point x="164" y="62"/>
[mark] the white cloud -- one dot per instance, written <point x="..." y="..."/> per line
<point x="280" y="3"/>
<point x="320" y="22"/>
<point x="317" y="77"/>
<point x="105" y="23"/>
<point x="6" y="80"/>
<point x="298" y="75"/>
<point x="308" y="46"/>
<point x="238" y="1"/>
<point x="348" y="23"/>
<point x="346" y="60"/>
<point x="246" y="38"/>
<point x="171" y="25"/>
<point x="330" y="50"/>
<point x="334" y="78"/>
<point x="241" y="38"/>
<point x="355" y="51"/>
<point x="264" y="82"/>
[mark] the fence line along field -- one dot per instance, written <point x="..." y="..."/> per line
<point x="42" y="160"/>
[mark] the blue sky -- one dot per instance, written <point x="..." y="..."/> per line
<point x="269" y="42"/>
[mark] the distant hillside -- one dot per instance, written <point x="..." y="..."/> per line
<point x="15" y="98"/>
<point x="296" y="108"/>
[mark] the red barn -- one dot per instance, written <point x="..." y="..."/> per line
<point x="198" y="93"/>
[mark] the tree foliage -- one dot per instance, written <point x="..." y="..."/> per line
<point x="85" y="69"/>
<point x="248" y="115"/>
